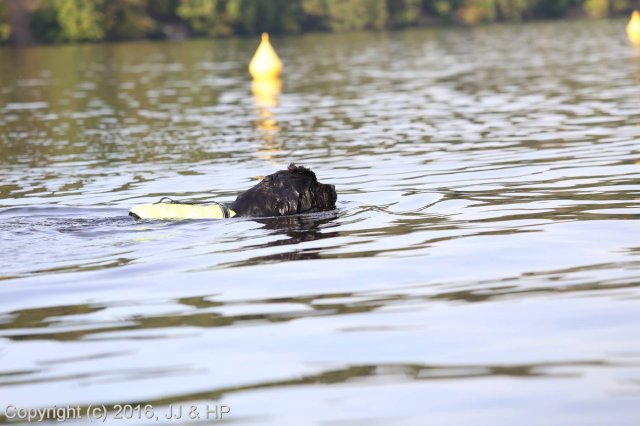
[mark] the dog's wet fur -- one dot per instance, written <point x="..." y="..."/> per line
<point x="286" y="192"/>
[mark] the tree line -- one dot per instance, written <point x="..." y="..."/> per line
<point x="60" y="21"/>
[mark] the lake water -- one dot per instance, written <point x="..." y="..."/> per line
<point x="482" y="266"/>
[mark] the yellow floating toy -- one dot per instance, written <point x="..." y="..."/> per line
<point x="265" y="63"/>
<point x="167" y="208"/>
<point x="633" y="28"/>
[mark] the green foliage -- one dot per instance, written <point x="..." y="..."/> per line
<point x="554" y="8"/>
<point x="356" y="14"/>
<point x="127" y="19"/>
<point x="5" y="26"/>
<point x="200" y="15"/>
<point x="513" y="10"/>
<point x="404" y="13"/>
<point x="88" y="20"/>
<point x="444" y="9"/>
<point x="600" y="8"/>
<point x="68" y="20"/>
<point x="163" y="10"/>
<point x="226" y="17"/>
<point x="474" y="11"/>
<point x="597" y="8"/>
<point x="315" y="14"/>
<point x="620" y="6"/>
<point x="275" y="16"/>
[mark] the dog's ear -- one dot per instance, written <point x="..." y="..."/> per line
<point x="302" y="171"/>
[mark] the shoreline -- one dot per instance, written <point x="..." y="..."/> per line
<point x="244" y="37"/>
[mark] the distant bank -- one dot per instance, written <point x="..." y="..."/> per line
<point x="24" y="22"/>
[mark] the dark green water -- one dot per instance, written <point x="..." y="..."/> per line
<point x="482" y="267"/>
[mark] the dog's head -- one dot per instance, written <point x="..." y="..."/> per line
<point x="286" y="192"/>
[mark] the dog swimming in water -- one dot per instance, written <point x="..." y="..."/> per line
<point x="287" y="192"/>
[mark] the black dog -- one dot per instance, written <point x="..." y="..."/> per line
<point x="286" y="192"/>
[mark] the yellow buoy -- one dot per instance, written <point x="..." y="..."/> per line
<point x="265" y="63"/>
<point x="633" y="28"/>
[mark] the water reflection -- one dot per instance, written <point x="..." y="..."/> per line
<point x="73" y="322"/>
<point x="266" y="95"/>
<point x="292" y="231"/>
